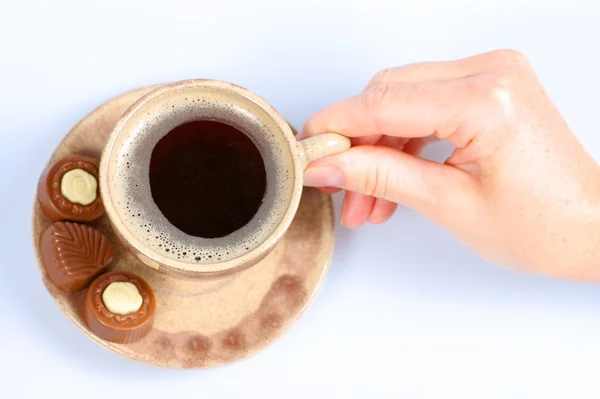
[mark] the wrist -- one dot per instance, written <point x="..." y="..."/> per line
<point x="578" y="236"/>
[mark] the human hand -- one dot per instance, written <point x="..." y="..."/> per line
<point x="519" y="189"/>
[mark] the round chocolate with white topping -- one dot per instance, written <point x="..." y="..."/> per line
<point x="112" y="308"/>
<point x="68" y="190"/>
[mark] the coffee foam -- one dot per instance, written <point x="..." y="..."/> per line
<point x="130" y="184"/>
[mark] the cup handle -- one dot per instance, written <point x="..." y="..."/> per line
<point x="322" y="145"/>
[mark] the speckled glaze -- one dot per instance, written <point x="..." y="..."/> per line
<point x="320" y="146"/>
<point x="205" y="323"/>
<point x="302" y="153"/>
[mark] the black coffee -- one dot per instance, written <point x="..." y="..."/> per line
<point x="207" y="178"/>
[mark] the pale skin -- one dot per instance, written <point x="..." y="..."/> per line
<point x="519" y="189"/>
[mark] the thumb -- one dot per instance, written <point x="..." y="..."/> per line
<point x="383" y="172"/>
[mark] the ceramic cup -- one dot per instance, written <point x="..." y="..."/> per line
<point x="125" y="185"/>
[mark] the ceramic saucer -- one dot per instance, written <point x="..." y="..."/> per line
<point x="206" y="323"/>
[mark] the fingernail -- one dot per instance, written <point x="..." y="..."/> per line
<point x="324" y="176"/>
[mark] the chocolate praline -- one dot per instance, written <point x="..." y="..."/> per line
<point x="122" y="329"/>
<point x="74" y="254"/>
<point x="53" y="202"/>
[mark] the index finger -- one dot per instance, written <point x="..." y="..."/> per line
<point x="403" y="110"/>
<point x="435" y="71"/>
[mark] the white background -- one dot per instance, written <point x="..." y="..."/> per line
<point x="405" y="310"/>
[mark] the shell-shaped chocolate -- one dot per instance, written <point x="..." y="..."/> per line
<point x="74" y="254"/>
